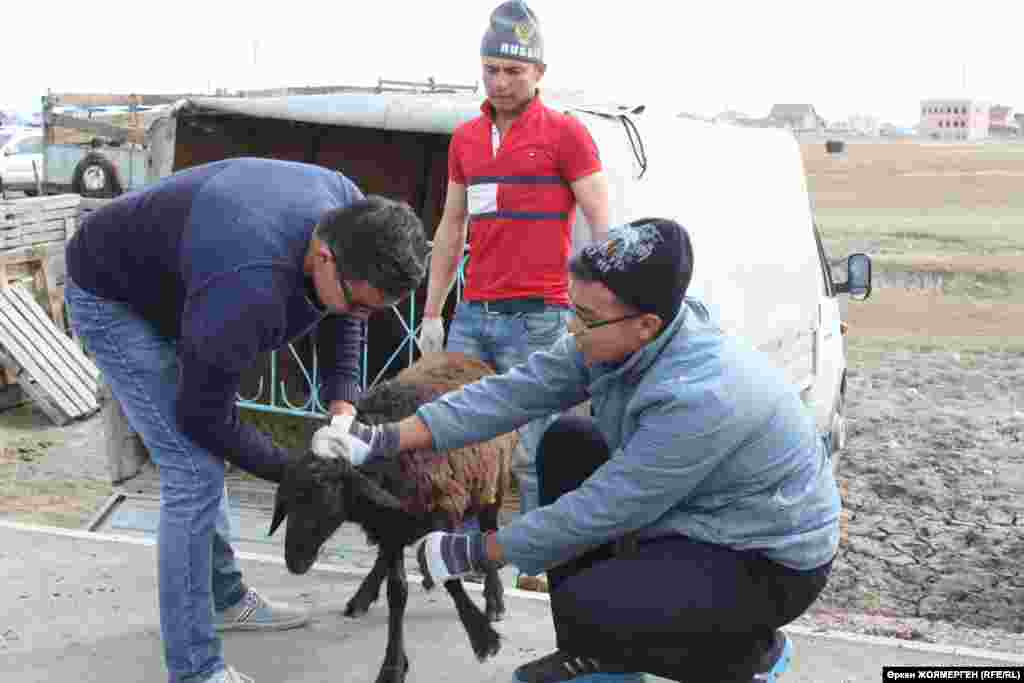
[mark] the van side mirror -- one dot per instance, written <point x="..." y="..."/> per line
<point x="858" y="278"/>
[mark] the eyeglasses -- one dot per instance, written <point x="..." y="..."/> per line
<point x="357" y="309"/>
<point x="580" y="322"/>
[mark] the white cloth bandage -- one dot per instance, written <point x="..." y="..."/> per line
<point x="334" y="441"/>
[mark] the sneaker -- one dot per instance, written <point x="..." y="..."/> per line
<point x="230" y="675"/>
<point x="561" y="666"/>
<point x="777" y="660"/>
<point x="253" y="613"/>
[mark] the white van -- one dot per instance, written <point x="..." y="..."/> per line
<point x="741" y="193"/>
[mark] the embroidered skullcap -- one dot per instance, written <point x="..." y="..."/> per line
<point x="647" y="264"/>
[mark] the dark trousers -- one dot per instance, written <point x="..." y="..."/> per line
<point x="673" y="607"/>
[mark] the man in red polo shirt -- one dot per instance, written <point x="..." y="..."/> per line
<point x="515" y="176"/>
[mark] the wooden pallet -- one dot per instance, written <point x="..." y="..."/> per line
<point x="39" y="220"/>
<point x="47" y="365"/>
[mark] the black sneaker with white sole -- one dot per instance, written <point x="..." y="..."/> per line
<point x="560" y="666"/>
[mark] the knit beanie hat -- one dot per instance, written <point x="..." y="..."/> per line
<point x="513" y="33"/>
<point x="647" y="264"/>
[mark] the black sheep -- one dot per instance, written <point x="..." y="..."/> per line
<point x="396" y="501"/>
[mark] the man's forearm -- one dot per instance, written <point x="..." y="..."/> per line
<point x="444" y="265"/>
<point x="591" y="194"/>
<point x="339" y="341"/>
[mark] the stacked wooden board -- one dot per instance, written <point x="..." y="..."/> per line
<point x="38" y="220"/>
<point x="36" y="356"/>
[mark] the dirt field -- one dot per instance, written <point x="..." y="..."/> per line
<point x="935" y="466"/>
<point x="935" y="477"/>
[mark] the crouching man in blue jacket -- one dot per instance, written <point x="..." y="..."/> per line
<point x="698" y="448"/>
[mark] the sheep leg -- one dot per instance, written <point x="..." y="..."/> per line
<point x="485" y="640"/>
<point x="369" y="589"/>
<point x="396" y="663"/>
<point x="494" y="592"/>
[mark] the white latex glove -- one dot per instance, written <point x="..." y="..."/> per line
<point x="431" y="335"/>
<point x="334" y="441"/>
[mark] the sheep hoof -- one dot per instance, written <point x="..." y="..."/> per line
<point x="485" y="641"/>
<point x="488" y="648"/>
<point x="356" y="609"/>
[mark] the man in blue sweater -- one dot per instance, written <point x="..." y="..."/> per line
<point x="699" y="449"/>
<point x="176" y="290"/>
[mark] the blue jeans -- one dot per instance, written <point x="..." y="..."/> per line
<point x="197" y="571"/>
<point x="674" y="607"/>
<point x="504" y="341"/>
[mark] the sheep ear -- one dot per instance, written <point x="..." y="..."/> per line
<point x="280" y="509"/>
<point x="375" y="493"/>
<point x="280" y="512"/>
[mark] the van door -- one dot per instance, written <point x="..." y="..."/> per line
<point x="829" y="357"/>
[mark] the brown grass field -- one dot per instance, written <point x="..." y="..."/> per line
<point x="955" y="212"/>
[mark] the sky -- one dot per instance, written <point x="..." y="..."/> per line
<point x="868" y="57"/>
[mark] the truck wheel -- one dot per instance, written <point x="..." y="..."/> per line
<point x="95" y="176"/>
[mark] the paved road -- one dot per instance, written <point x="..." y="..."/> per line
<point x="81" y="607"/>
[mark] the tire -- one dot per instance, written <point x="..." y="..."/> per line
<point x="95" y="176"/>
<point x="30" y="193"/>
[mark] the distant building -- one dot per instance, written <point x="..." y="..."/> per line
<point x="893" y="131"/>
<point x="730" y="116"/>
<point x="864" y="124"/>
<point x="799" y="117"/>
<point x="954" y="119"/>
<point x="1002" y="123"/>
<point x="738" y="118"/>
<point x="691" y="116"/>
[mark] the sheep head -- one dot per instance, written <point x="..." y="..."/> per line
<point x="317" y="495"/>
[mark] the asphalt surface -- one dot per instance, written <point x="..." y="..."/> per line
<point x="79" y="606"/>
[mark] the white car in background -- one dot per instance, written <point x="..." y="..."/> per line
<point x="19" y="148"/>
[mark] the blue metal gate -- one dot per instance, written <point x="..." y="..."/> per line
<point x="274" y="395"/>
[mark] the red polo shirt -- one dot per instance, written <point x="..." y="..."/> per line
<point x="519" y="201"/>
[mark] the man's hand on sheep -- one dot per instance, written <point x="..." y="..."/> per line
<point x="444" y="556"/>
<point x="333" y="440"/>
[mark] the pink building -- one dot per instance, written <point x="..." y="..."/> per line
<point x="1003" y="122"/>
<point x="954" y="119"/>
